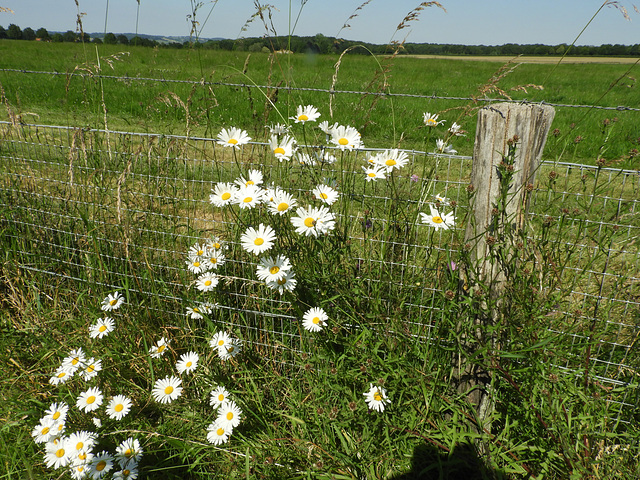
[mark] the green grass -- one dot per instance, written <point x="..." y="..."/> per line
<point x="120" y="212"/>
<point x="385" y="122"/>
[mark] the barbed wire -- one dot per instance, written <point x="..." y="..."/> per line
<point x="330" y="91"/>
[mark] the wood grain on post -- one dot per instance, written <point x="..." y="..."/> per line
<point x="498" y="125"/>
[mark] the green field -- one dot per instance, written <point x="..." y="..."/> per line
<point x="162" y="107"/>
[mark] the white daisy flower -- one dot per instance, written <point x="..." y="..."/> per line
<point x="254" y="178"/>
<point x="220" y="339"/>
<point x="187" y="362"/>
<point x="392" y="159"/>
<point x="100" y="465"/>
<point x="306" y="114"/>
<point x="376" y="398"/>
<point x="230" y="349"/>
<point x="195" y="313"/>
<point x="74" y="360"/>
<point x="112" y="302"/>
<point x="374" y="173"/>
<point x="279" y="129"/>
<point x="91" y="369"/>
<point x="81" y="443"/>
<point x="442" y="200"/>
<point x="313" y="221"/>
<point x="431" y="120"/>
<point x="229" y="415"/>
<point x="248" y="196"/>
<point x="207" y="282"/>
<point x="325" y="194"/>
<point x="328" y="159"/>
<point x="197" y="250"/>
<point x="214" y="259"/>
<point x="217" y="434"/>
<point x="286" y="283"/>
<point x="160" y="348"/>
<point x="118" y="407"/>
<point x="57" y="455"/>
<point x="102" y="327"/>
<point x="305" y="159"/>
<point x="89" y="400"/>
<point x="258" y="240"/>
<point x="218" y="397"/>
<point x="222" y="194"/>
<point x="61" y="375"/>
<point x="167" y="389"/>
<point x="438" y="220"/>
<point x="45" y="430"/>
<point x="282" y="148"/>
<point x="196" y="265"/>
<point x="273" y="269"/>
<point x="456" y="130"/>
<point x="129" y="451"/>
<point x="81" y="469"/>
<point x="281" y="203"/>
<point x="346" y="138"/>
<point x="214" y="244"/>
<point x="128" y="472"/>
<point x="314" y="319"/>
<point x="326" y="128"/>
<point x="442" y="148"/>
<point x="57" y="412"/>
<point x="233" y="137"/>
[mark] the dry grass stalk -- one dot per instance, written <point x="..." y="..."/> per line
<point x="352" y="16"/>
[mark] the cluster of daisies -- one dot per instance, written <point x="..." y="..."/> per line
<point x="455" y="130"/>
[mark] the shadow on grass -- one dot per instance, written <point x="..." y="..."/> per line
<point x="430" y="462"/>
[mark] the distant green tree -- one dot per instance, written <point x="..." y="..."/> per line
<point x="3" y="32"/>
<point x="123" y="40"/>
<point x="28" y="34"/>
<point x="42" y="33"/>
<point x="14" y="32"/>
<point x="69" y="36"/>
<point x="57" y="37"/>
<point x="96" y="40"/>
<point x="255" y="47"/>
<point x="110" y="39"/>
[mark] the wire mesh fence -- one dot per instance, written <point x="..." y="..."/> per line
<point x="119" y="210"/>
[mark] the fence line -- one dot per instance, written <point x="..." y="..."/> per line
<point x="62" y="200"/>
<point x="321" y="90"/>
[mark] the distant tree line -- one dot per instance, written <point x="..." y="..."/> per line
<point x="321" y="44"/>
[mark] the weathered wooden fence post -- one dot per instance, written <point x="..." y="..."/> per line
<point x="500" y="129"/>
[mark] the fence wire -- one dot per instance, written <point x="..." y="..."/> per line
<point x="105" y="210"/>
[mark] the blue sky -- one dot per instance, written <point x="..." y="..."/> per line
<point x="488" y="22"/>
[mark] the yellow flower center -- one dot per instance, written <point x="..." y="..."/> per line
<point x="377" y="397"/>
<point x="101" y="465"/>
<point x="75" y="361"/>
<point x="220" y="432"/>
<point x="431" y="121"/>
<point x="62" y="374"/>
<point x="79" y="446"/>
<point x="91" y="399"/>
<point x="232" y="141"/>
<point x="343" y="141"/>
<point x="102" y="328"/>
<point x="45" y="430"/>
<point x="390" y="163"/>
<point x="119" y="407"/>
<point x="279" y="151"/>
<point x="283" y="206"/>
<point x="273" y="270"/>
<point x="161" y="348"/>
<point x="82" y="456"/>
<point x="221" y="398"/>
<point x="196" y="264"/>
<point x="282" y="281"/>
<point x="56" y="415"/>
<point x="437" y="219"/>
<point x="126" y="472"/>
<point x="189" y="364"/>
<point x="258" y="241"/>
<point x="230" y="348"/>
<point x="324" y="196"/>
<point x="168" y="390"/>
<point x="250" y="182"/>
<point x="207" y="283"/>
<point x="195" y="309"/>
<point x="248" y="200"/>
<point x="128" y="453"/>
<point x="225" y="196"/>
<point x="217" y="245"/>
<point x="91" y="368"/>
<point x="230" y="416"/>
<point x="113" y="302"/>
<point x="213" y="260"/>
<point x="316" y="320"/>
<point x="309" y="222"/>
<point x="303" y="118"/>
<point x="371" y="174"/>
<point x="60" y="453"/>
<point x="220" y="342"/>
